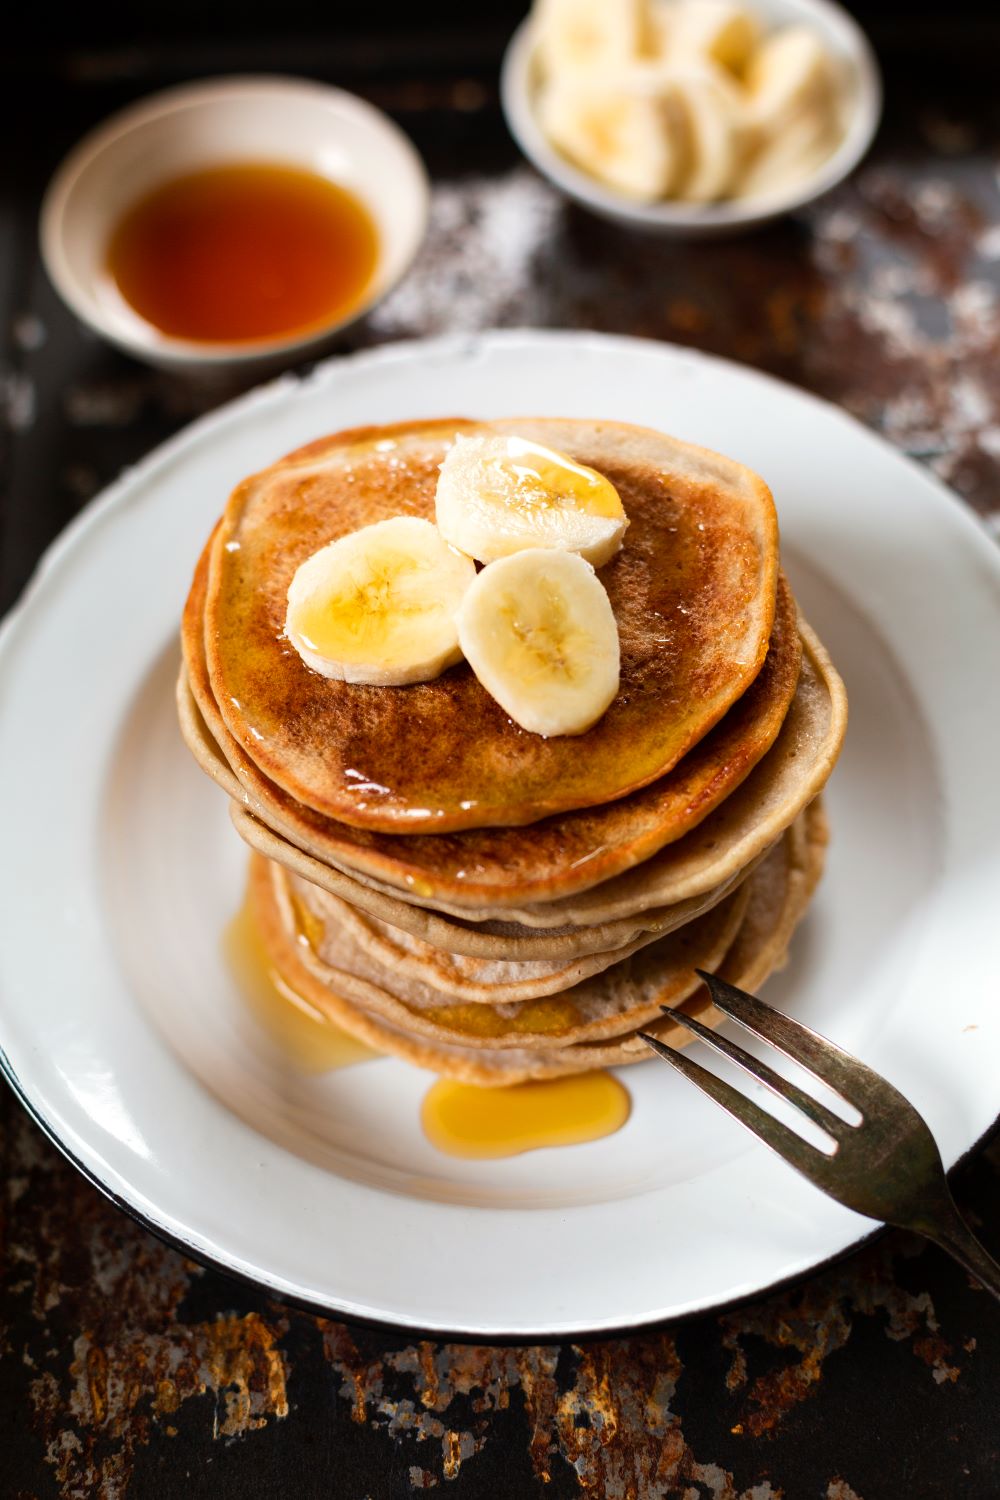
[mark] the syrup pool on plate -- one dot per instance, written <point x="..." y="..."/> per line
<point x="249" y="251"/>
<point x="463" y="1120"/>
<point x="459" y="1119"/>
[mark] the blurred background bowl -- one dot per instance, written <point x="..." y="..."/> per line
<point x="845" y="41"/>
<point x="286" y="121"/>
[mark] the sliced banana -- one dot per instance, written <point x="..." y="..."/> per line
<point x="589" y="35"/>
<point x="629" y="130"/>
<point x="685" y="98"/>
<point x="721" y="31"/>
<point x="539" y="632"/>
<point x="717" y="131"/>
<point x="379" y="605"/>
<point x="660" y="29"/>
<point x="789" y="73"/>
<point x="497" y="495"/>
<point x="792" y="156"/>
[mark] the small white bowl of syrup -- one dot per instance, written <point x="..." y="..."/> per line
<point x="234" y="222"/>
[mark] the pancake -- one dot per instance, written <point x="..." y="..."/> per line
<point x="334" y="927"/>
<point x="775" y="905"/>
<point x="493" y="940"/>
<point x="693" y="591"/>
<point x="680" y="882"/>
<point x="336" y="938"/>
<point x="608" y="1005"/>
<point x="558" y="856"/>
<point x="793" y="772"/>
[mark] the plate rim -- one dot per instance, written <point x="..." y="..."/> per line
<point x="441" y="1332"/>
<point x="116" y="493"/>
<point x="116" y="497"/>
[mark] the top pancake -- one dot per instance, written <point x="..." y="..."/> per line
<point x="693" y="592"/>
<point x="558" y="856"/>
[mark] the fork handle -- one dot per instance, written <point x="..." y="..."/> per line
<point x="947" y="1228"/>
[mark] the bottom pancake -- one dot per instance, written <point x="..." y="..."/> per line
<point x="776" y="900"/>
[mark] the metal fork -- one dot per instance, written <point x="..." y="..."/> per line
<point x="887" y="1166"/>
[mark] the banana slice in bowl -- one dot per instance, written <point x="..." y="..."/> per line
<point x="628" y="130"/>
<point x="620" y="130"/>
<point x="790" y="157"/>
<point x="716" y="131"/>
<point x="720" y="30"/>
<point x="791" y="73"/>
<point x="588" y="35"/>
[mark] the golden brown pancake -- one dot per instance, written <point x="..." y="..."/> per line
<point x="677" y="883"/>
<point x="693" y="591"/>
<point x="494" y="940"/>
<point x="343" y="937"/>
<point x="556" y="857"/>
<point x="606" y="1005"/>
<point x="776" y="904"/>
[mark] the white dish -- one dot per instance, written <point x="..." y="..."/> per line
<point x="120" y="870"/>
<point x="846" y="42"/>
<point x="218" y="121"/>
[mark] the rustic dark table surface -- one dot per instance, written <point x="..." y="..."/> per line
<point x="127" y="1370"/>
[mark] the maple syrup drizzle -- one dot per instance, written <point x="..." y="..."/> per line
<point x="534" y="477"/>
<point x="305" y="1036"/>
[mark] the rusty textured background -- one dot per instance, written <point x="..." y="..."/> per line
<point x="127" y="1370"/>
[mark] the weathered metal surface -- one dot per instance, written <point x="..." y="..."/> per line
<point x="127" y="1370"/>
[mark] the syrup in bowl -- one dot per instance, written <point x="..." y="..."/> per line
<point x="244" y="253"/>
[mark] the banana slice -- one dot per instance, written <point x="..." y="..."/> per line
<point x="718" y="131"/>
<point x="498" y="495"/>
<point x="661" y="28"/>
<point x="722" y="31"/>
<point x="539" y="632"/>
<point x="789" y="73"/>
<point x="588" y="35"/>
<point x="790" y="157"/>
<point x="628" y="131"/>
<point x="379" y="604"/>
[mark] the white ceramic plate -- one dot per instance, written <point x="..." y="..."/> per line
<point x="121" y="1026"/>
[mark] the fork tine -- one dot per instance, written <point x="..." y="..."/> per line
<point x="810" y="1161"/>
<point x="782" y="1087"/>
<point x="841" y="1072"/>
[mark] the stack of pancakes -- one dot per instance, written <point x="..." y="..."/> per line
<point x="482" y="901"/>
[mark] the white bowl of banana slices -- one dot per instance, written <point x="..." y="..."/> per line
<point x="692" y="117"/>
